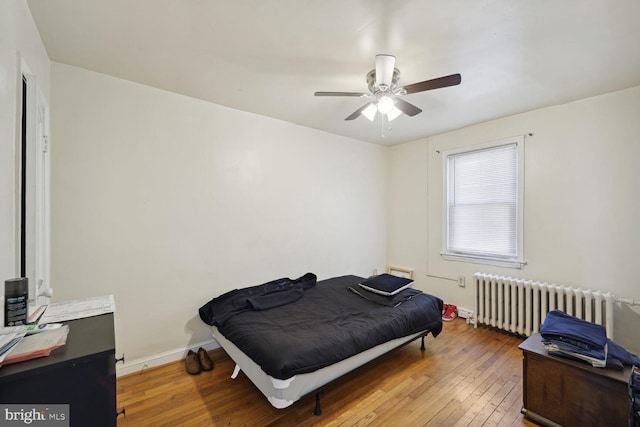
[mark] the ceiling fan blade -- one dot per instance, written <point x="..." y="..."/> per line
<point x="359" y="111"/>
<point x="409" y="109"/>
<point x="452" y="80"/>
<point x="384" y="69"/>
<point x="357" y="94"/>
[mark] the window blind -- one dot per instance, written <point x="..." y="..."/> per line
<point x="482" y="202"/>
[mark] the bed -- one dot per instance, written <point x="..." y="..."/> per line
<point x="293" y="336"/>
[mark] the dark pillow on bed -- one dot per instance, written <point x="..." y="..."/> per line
<point x="386" y="284"/>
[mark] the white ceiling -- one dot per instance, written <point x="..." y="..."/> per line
<point x="269" y="56"/>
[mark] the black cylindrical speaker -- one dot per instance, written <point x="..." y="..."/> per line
<point x="16" y="296"/>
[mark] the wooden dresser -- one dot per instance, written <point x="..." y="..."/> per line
<point x="560" y="391"/>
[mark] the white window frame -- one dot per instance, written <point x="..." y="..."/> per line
<point x="516" y="262"/>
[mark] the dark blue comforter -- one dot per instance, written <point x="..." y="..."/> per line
<point x="326" y="324"/>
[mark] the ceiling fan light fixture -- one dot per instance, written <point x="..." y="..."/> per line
<point x="370" y="112"/>
<point x="394" y="113"/>
<point x="385" y="105"/>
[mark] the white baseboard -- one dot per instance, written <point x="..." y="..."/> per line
<point x="138" y="365"/>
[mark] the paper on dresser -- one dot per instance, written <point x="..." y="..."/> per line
<point x="79" y="308"/>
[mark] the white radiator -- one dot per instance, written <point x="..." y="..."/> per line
<point x="520" y="305"/>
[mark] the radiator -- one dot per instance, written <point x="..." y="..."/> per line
<point x="520" y="306"/>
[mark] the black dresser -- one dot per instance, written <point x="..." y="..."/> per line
<point x="81" y="373"/>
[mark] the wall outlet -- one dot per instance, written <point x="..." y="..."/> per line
<point x="461" y="282"/>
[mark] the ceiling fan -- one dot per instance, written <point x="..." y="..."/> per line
<point x="385" y="92"/>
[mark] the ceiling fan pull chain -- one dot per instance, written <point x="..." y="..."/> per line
<point x="382" y="126"/>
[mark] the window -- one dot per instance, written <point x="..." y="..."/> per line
<point x="483" y="203"/>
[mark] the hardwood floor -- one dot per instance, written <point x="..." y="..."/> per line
<point x="465" y="377"/>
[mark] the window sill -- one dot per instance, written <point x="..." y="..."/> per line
<point x="519" y="264"/>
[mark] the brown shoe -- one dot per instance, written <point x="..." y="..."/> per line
<point x="192" y="362"/>
<point x="205" y="361"/>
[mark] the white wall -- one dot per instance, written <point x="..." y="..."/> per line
<point x="19" y="39"/>
<point x="582" y="205"/>
<point x="167" y="201"/>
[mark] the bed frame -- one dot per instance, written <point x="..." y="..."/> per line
<point x="283" y="393"/>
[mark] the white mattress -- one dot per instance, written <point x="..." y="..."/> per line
<point x="283" y="393"/>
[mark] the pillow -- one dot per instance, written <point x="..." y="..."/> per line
<point x="386" y="284"/>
